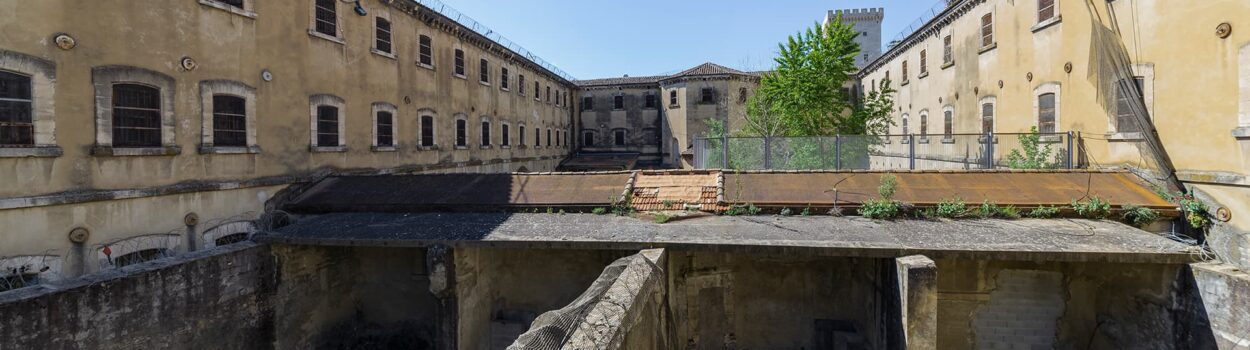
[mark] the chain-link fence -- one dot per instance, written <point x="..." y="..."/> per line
<point x="887" y="152"/>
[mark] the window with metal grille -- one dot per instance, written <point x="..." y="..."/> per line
<point x="619" y="137"/>
<point x="537" y="91"/>
<point x="503" y="78"/>
<point x="548" y="137"/>
<point x="485" y="133"/>
<point x="708" y="95"/>
<point x="987" y="30"/>
<point x="924" y="61"/>
<point x="588" y="139"/>
<point x="459" y="62"/>
<point x="672" y="98"/>
<point x="948" y="123"/>
<point x="461" y="137"/>
<point x="426" y="51"/>
<point x="548" y="93"/>
<point x="520" y="135"/>
<point x="136" y="116"/>
<point x="588" y="103"/>
<point x="538" y="137"/>
<point x="1124" y="120"/>
<point x="18" y="280"/>
<point x="1046" y="113"/>
<point x="924" y="125"/>
<point x="1045" y="10"/>
<point x="235" y="3"/>
<point x="17" y="126"/>
<point x="484" y="74"/>
<point x="141" y="257"/>
<point x="386" y="129"/>
<point x="327" y="126"/>
<point x="618" y="102"/>
<point x="231" y="239"/>
<point x="229" y="121"/>
<point x="948" y="53"/>
<point x="383" y="35"/>
<point x="906" y="130"/>
<point x="505" y="138"/>
<point x="650" y="101"/>
<point x="326" y="17"/>
<point x="987" y="118"/>
<point x="520" y="84"/>
<point x="905" y="76"/>
<point x="427" y="131"/>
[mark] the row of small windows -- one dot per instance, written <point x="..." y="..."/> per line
<point x="706" y="96"/>
<point x="649" y="137"/>
<point x="1046" y="11"/>
<point x="560" y="138"/>
<point x="1046" y="118"/>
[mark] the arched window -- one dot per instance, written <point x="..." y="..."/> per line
<point x="17" y="127"/>
<point x="906" y="130"/>
<point x="136" y="116"/>
<point x="924" y="124"/>
<point x="486" y="133"/>
<point x="987" y="114"/>
<point x="505" y="137"/>
<point x="1046" y="113"/>
<point x="427" y="131"/>
<point x="461" y="137"/>
<point x="229" y="121"/>
<point x="948" y="122"/>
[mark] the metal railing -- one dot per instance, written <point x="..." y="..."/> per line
<point x="887" y="152"/>
<point x="469" y="22"/>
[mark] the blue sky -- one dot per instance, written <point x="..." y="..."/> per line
<point x="601" y="39"/>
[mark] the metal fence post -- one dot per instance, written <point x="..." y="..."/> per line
<point x="989" y="150"/>
<point x="1070" y="150"/>
<point x="837" y="152"/>
<point x="911" y="151"/>
<point x="768" y="153"/>
<point x="724" y="144"/>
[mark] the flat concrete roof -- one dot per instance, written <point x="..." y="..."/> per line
<point x="1074" y="240"/>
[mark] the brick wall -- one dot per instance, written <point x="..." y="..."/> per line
<point x="1023" y="311"/>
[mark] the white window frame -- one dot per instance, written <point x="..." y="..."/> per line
<point x="1052" y="87"/>
<point x="338" y="23"/>
<point x="318" y="100"/>
<point x="951" y="137"/>
<point x="373" y="46"/>
<point x="384" y="107"/>
<point x="421" y="114"/>
<point x="210" y="88"/>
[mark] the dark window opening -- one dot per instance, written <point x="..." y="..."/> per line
<point x="1046" y="113"/>
<point x="538" y="137"/>
<point x="1045" y="10"/>
<point x="427" y="131"/>
<point x="588" y="139"/>
<point x="426" y="51"/>
<point x="459" y="62"/>
<point x="485" y="133"/>
<point x="461" y="139"/>
<point x="503" y="78"/>
<point x="141" y="256"/>
<point x="484" y="75"/>
<point x="327" y="18"/>
<point x="588" y="103"/>
<point x="948" y="124"/>
<point x="548" y="137"/>
<point x="924" y="125"/>
<point x="229" y="121"/>
<point x="327" y="126"/>
<point x="136" y="116"/>
<point x="506" y="139"/>
<point x="386" y="129"/>
<point x="987" y="118"/>
<point x="231" y="239"/>
<point x="672" y="98"/>
<point x="520" y="135"/>
<point x="18" y="280"/>
<point x="235" y="3"/>
<point x="537" y="91"/>
<point x="520" y="84"/>
<point x="17" y="127"/>
<point x="708" y="95"/>
<point x="742" y="95"/>
<point x="383" y="35"/>
<point x="649" y="101"/>
<point x="548" y="93"/>
<point x="618" y="102"/>
<point x="619" y="137"/>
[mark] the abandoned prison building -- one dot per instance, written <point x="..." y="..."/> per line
<point x="551" y="260"/>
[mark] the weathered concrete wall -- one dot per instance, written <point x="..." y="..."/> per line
<point x="217" y="299"/>
<point x="1102" y="306"/>
<point x="501" y="291"/>
<point x="917" y="281"/>
<point x="771" y="302"/>
<point x="1219" y="307"/>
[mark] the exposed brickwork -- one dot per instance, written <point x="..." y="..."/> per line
<point x="1023" y="311"/>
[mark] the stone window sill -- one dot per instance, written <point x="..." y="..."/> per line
<point x="231" y="9"/>
<point x="674" y="106"/>
<point x="948" y="64"/>
<point x="462" y="147"/>
<point x="1050" y="138"/>
<point x="461" y="76"/>
<point x="210" y="149"/>
<point x="948" y="141"/>
<point x="520" y="147"/>
<point x="384" y="148"/>
<point x="484" y="83"/>
<point x="982" y="140"/>
<point x="923" y="75"/>
<point x="485" y="147"/>
<point x="886" y="141"/>
<point x="428" y="148"/>
<point x="1242" y="133"/>
<point x="383" y="53"/>
<point x="505" y="147"/>
<point x="426" y="66"/>
<point x="904" y="83"/>
<point x="923" y="140"/>
<point x="110" y="151"/>
<point x="504" y="88"/>
<point x="334" y="39"/>
<point x="1047" y="23"/>
<point x="328" y="149"/>
<point x="987" y="48"/>
<point x="31" y="152"/>
<point x="904" y="141"/>
<point x="1124" y="136"/>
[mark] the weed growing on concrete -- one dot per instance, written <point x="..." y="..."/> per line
<point x="600" y="211"/>
<point x="950" y="209"/>
<point x="668" y="203"/>
<point x="1196" y="211"/>
<point x="1138" y="216"/>
<point x="989" y="210"/>
<point x="1093" y="208"/>
<point x="884" y="208"/>
<point x="550" y="210"/>
<point x="752" y="209"/>
<point x="786" y="212"/>
<point x="1043" y="212"/>
<point x="734" y="211"/>
<point x="807" y="211"/>
<point x="661" y="218"/>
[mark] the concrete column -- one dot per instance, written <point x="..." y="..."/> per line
<point x="917" y="286"/>
<point x="440" y="261"/>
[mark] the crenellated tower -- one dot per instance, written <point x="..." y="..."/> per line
<point x="867" y="22"/>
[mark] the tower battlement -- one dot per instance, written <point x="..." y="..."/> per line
<point x="859" y="15"/>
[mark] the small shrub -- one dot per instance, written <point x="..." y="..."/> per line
<point x="806" y="211"/>
<point x="1008" y="212"/>
<point x="889" y="184"/>
<point x="1138" y="216"/>
<point x="989" y="210"/>
<point x="1043" y="212"/>
<point x="661" y="218"/>
<point x="668" y="203"/>
<point x="1093" y="208"/>
<point x="735" y="211"/>
<point x="752" y="209"/>
<point x="880" y="209"/>
<point x="600" y="211"/>
<point x="950" y="209"/>
<point x="786" y="212"/>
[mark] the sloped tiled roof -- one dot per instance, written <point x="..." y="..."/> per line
<point x="708" y="68"/>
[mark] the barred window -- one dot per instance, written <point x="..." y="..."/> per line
<point x="17" y="126"/>
<point x="1045" y="10"/>
<point x="485" y="133"/>
<point x="326" y="17"/>
<point x="906" y="130"/>
<point x="484" y="74"/>
<point x="505" y="138"/>
<point x="426" y="51"/>
<point x="229" y="121"/>
<point x="461" y="137"/>
<point x="136" y="116"/>
<point x="924" y="125"/>
<point x="327" y="126"/>
<point x="383" y="35"/>
<point x="588" y="103"/>
<point x="520" y="84"/>
<point x="948" y="123"/>
<point x="1046" y="113"/>
<point x="520" y="135"/>
<point x="1124" y="120"/>
<point x="618" y="137"/>
<point x="987" y="118"/>
<point x="987" y="30"/>
<point x="618" y="102"/>
<point x="650" y="101"/>
<point x="386" y="129"/>
<point x="427" y="131"/>
<point x="503" y="78"/>
<point x="588" y="139"/>
<point x="709" y="95"/>
<point x="948" y="52"/>
<point x="459" y="62"/>
<point x="141" y="256"/>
